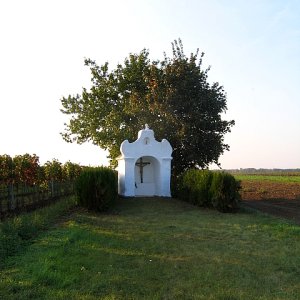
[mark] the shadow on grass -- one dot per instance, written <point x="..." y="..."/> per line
<point x="156" y="248"/>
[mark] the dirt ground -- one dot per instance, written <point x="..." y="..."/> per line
<point x="276" y="198"/>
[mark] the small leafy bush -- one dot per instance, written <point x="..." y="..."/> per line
<point x="96" y="188"/>
<point x="205" y="188"/>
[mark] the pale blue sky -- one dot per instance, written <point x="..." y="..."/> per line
<point x="252" y="46"/>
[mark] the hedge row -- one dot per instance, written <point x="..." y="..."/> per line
<point x="219" y="190"/>
<point x="97" y="188"/>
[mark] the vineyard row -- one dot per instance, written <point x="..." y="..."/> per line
<point x="27" y="169"/>
<point x="25" y="184"/>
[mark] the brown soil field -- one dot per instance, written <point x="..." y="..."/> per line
<point x="276" y="198"/>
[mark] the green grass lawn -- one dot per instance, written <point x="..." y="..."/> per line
<point x="277" y="178"/>
<point x="158" y="249"/>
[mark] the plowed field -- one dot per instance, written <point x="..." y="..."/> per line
<point x="274" y="197"/>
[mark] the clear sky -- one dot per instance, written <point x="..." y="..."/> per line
<point x="252" y="46"/>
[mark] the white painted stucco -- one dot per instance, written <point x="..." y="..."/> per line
<point x="154" y="178"/>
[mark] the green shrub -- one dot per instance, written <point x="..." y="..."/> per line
<point x="195" y="187"/>
<point x="205" y="188"/>
<point x="224" y="192"/>
<point x="96" y="188"/>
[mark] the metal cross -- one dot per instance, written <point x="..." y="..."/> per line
<point x="141" y="165"/>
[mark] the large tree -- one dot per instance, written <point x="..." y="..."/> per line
<point x="173" y="96"/>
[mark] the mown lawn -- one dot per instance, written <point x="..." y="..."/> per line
<point x="158" y="249"/>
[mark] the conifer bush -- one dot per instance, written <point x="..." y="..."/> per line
<point x="224" y="191"/>
<point x="219" y="190"/>
<point x="96" y="188"/>
<point x="195" y="187"/>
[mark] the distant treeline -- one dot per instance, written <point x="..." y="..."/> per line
<point x="289" y="172"/>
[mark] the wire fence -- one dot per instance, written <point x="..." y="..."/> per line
<point x="15" y="198"/>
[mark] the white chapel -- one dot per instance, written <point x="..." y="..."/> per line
<point x="144" y="167"/>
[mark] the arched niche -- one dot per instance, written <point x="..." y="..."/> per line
<point x="147" y="176"/>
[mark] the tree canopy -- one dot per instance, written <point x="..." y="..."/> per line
<point x="172" y="95"/>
